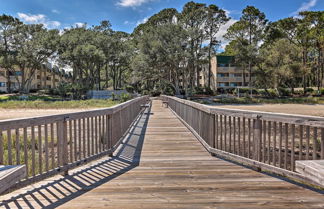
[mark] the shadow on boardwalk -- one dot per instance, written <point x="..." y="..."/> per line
<point x="66" y="188"/>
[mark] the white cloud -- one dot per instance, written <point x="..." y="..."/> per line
<point x="222" y="31"/>
<point x="305" y="6"/>
<point x="38" y="19"/>
<point x="144" y="20"/>
<point x="126" y="22"/>
<point x="132" y="3"/>
<point x="56" y="11"/>
<point x="79" y="24"/>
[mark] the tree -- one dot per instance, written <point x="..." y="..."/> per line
<point x="215" y="18"/>
<point x="249" y="32"/>
<point x="7" y="27"/>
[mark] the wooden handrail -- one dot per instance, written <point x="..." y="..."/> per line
<point x="55" y="143"/>
<point x="274" y="140"/>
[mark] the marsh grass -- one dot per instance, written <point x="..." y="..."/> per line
<point x="291" y="100"/>
<point x="29" y="146"/>
<point x="42" y="104"/>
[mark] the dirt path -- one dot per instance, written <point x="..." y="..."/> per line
<point x="301" y="109"/>
<point x="26" y="113"/>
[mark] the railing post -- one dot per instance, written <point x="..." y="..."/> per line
<point x="212" y="130"/>
<point x="257" y="134"/>
<point x="62" y="143"/>
<point x="110" y="134"/>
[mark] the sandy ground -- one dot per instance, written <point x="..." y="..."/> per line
<point x="26" y="113"/>
<point x="300" y="109"/>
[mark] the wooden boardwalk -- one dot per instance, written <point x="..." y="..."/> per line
<point x="162" y="165"/>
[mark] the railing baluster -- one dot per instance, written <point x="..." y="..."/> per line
<point x="249" y="138"/>
<point x="322" y="143"/>
<point x="286" y="146"/>
<point x="25" y="150"/>
<point x="307" y="142"/>
<point x="230" y="133"/>
<point x="9" y="139"/>
<point x="301" y="133"/>
<point x="292" y="147"/>
<point x="70" y="142"/>
<point x="269" y="142"/>
<point x="274" y="159"/>
<point x="46" y="147"/>
<point x="1" y="148"/>
<point x="280" y="144"/>
<point x="33" y="149"/>
<point x="17" y="147"/>
<point x="239" y="136"/>
<point x="315" y="144"/>
<point x="52" y="146"/>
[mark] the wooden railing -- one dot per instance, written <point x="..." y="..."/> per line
<point x="269" y="141"/>
<point x="53" y="144"/>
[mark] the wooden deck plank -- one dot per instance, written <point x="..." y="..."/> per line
<point x="162" y="165"/>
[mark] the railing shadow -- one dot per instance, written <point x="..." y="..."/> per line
<point x="66" y="188"/>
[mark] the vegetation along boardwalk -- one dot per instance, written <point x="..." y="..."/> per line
<point x="162" y="165"/>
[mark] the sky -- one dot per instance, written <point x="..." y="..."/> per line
<point x="125" y="15"/>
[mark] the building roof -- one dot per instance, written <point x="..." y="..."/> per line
<point x="225" y="59"/>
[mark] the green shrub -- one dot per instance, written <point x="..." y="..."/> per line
<point x="169" y="91"/>
<point x="209" y="91"/>
<point x="123" y="97"/>
<point x="273" y="93"/>
<point x="155" y="93"/>
<point x="284" y="92"/>
<point x="309" y="90"/>
<point x="322" y="91"/>
<point x="130" y="89"/>
<point x="198" y="90"/>
<point x="145" y="92"/>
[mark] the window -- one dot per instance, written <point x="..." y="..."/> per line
<point x="180" y="87"/>
<point x="38" y="76"/>
<point x="2" y="73"/>
<point x="2" y="84"/>
<point x="56" y="80"/>
<point x="238" y="75"/>
<point x="16" y="73"/>
<point x="222" y="84"/>
<point x="222" y="65"/>
<point x="48" y="78"/>
<point x="200" y="85"/>
<point x="200" y="77"/>
<point x="233" y="84"/>
<point x="222" y="75"/>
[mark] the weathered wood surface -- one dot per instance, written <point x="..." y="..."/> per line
<point x="312" y="169"/>
<point x="11" y="174"/>
<point x="162" y="165"/>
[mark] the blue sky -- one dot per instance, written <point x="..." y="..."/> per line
<point x="124" y="15"/>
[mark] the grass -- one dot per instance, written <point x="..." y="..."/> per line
<point x="29" y="146"/>
<point x="291" y="100"/>
<point x="42" y="104"/>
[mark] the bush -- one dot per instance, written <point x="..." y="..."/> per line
<point x="130" y="89"/>
<point x="273" y="93"/>
<point x="299" y="92"/>
<point x="198" y="90"/>
<point x="155" y="93"/>
<point x="123" y="97"/>
<point x="169" y="91"/>
<point x="284" y="92"/>
<point x="309" y="90"/>
<point x="322" y="91"/>
<point x="209" y="91"/>
<point x="145" y="92"/>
